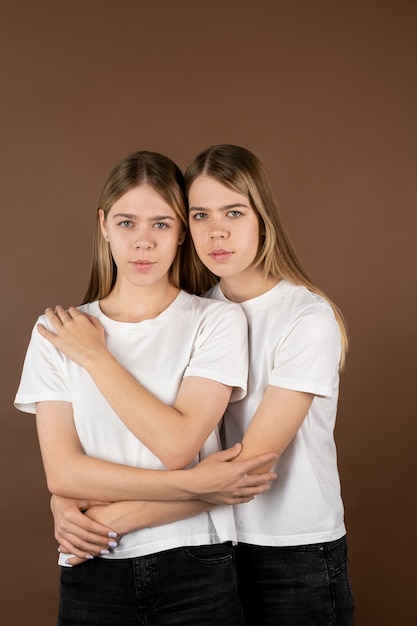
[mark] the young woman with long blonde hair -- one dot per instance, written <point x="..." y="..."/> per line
<point x="127" y="387"/>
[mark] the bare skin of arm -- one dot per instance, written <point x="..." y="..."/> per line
<point x="71" y="473"/>
<point x="81" y="337"/>
<point x="199" y="405"/>
<point x="274" y="425"/>
<point x="86" y="534"/>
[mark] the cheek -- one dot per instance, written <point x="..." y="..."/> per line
<point x="195" y="234"/>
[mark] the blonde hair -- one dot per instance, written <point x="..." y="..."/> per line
<point x="165" y="177"/>
<point x="240" y="170"/>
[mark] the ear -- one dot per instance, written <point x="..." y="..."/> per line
<point x="181" y="238"/>
<point x="102" y="220"/>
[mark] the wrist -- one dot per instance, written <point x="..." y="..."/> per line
<point x="95" y="358"/>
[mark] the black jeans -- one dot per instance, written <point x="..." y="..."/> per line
<point x="194" y="586"/>
<point x="295" y="586"/>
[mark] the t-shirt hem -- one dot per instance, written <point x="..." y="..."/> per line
<point x="301" y="385"/>
<point x="27" y="404"/>
<point x="292" y="540"/>
<point x="239" y="386"/>
<point x="154" y="548"/>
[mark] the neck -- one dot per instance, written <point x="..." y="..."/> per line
<point x="240" y="288"/>
<point x="139" y="303"/>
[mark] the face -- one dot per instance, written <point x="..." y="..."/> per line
<point x="144" y="233"/>
<point x="224" y="228"/>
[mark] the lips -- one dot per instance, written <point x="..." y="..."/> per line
<point x="219" y="255"/>
<point x="142" y="264"/>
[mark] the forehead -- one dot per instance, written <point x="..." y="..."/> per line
<point x="208" y="192"/>
<point x="141" y="199"/>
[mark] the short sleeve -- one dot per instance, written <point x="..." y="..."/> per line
<point x="43" y="376"/>
<point x="308" y="357"/>
<point x="221" y="349"/>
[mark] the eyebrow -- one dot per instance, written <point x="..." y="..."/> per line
<point x="226" y="207"/>
<point x="133" y="216"/>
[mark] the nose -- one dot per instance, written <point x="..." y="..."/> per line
<point x="144" y="240"/>
<point x="143" y="244"/>
<point x="218" y="231"/>
<point x="217" y="234"/>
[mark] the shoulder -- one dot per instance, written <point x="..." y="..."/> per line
<point x="310" y="311"/>
<point x="92" y="308"/>
<point x="218" y="314"/>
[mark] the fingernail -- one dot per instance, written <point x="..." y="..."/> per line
<point x="104" y="552"/>
<point x="112" y="534"/>
<point x="89" y="556"/>
<point x="112" y="544"/>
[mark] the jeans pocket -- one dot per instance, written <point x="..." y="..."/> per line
<point x="336" y="556"/>
<point x="216" y="553"/>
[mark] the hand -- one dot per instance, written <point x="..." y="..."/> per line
<point x="76" y="533"/>
<point x="78" y="335"/>
<point x="221" y="482"/>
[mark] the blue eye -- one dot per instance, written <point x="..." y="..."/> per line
<point x="234" y="214"/>
<point x="199" y="216"/>
<point x="161" y="225"/>
<point x="126" y="224"/>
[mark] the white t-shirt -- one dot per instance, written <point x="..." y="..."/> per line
<point x="192" y="337"/>
<point x="294" y="343"/>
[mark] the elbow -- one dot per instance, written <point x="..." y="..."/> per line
<point x="180" y="451"/>
<point x="54" y="486"/>
<point x="177" y="460"/>
<point x="58" y="485"/>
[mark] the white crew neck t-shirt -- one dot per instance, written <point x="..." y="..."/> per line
<point x="294" y="343"/>
<point x="194" y="336"/>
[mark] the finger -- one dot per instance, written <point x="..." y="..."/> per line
<point x="74" y="312"/>
<point x="227" y="455"/>
<point x="75" y="560"/>
<point x="53" y="318"/>
<point x="95" y="322"/>
<point x="96" y="529"/>
<point x="62" y="313"/>
<point x="68" y="529"/>
<point x="258" y="461"/>
<point x="253" y="480"/>
<point x="74" y="545"/>
<point x="67" y="547"/>
<point x="45" y="332"/>
<point x="74" y="521"/>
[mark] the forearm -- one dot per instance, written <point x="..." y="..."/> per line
<point x="73" y="474"/>
<point x="83" y="477"/>
<point x="127" y="516"/>
<point x="175" y="434"/>
<point x="129" y="399"/>
<point x="264" y="434"/>
<point x="214" y="480"/>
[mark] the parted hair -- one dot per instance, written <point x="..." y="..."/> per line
<point x="143" y="167"/>
<point x="240" y="170"/>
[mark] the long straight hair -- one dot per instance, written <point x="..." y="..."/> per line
<point x="139" y="168"/>
<point x="240" y="170"/>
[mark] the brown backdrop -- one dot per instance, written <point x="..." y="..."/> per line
<point x="325" y="94"/>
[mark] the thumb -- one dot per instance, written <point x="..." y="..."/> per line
<point x="230" y="453"/>
<point x="94" y="321"/>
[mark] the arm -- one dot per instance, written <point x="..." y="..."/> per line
<point x="309" y="357"/>
<point x="275" y="423"/>
<point x="88" y="534"/>
<point x="175" y="434"/>
<point x="71" y="473"/>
